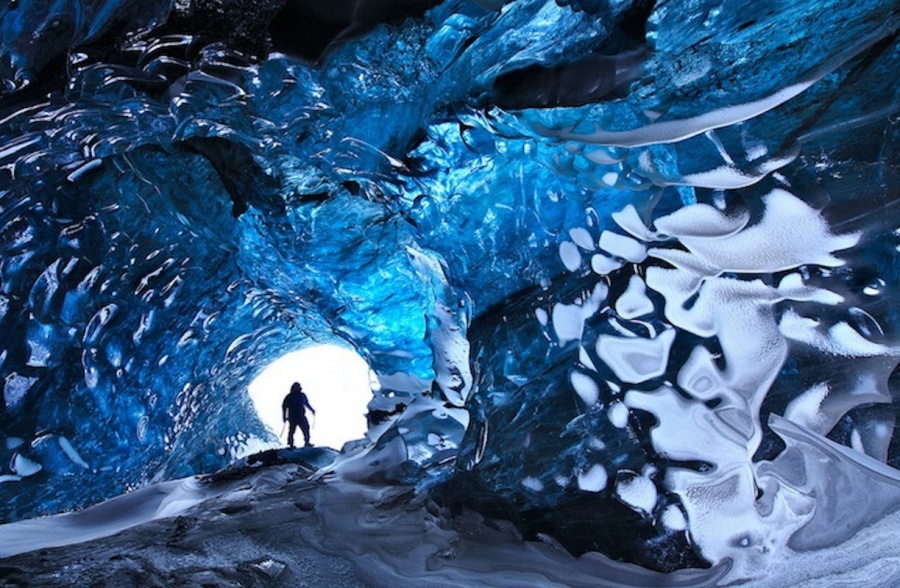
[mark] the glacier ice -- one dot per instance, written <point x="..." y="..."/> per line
<point x="624" y="269"/>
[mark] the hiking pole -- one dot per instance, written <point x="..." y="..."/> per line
<point x="283" y="425"/>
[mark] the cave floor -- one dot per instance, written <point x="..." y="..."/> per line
<point x="285" y="523"/>
<point x="271" y="525"/>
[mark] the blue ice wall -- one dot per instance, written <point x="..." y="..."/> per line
<point x="624" y="269"/>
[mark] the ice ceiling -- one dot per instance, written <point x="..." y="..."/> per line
<point x="627" y="271"/>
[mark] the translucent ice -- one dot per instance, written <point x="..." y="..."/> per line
<point x="636" y="359"/>
<point x="614" y="265"/>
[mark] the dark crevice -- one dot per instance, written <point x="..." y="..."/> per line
<point x="595" y="78"/>
<point x="308" y="29"/>
<point x="238" y="172"/>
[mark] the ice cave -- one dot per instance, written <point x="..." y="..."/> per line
<point x="620" y="276"/>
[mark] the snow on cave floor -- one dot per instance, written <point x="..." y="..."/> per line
<point x="270" y="524"/>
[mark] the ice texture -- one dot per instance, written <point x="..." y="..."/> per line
<point x="624" y="270"/>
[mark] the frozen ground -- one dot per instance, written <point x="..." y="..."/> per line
<point x="281" y="523"/>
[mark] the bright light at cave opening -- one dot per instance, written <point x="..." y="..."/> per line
<point x="337" y="382"/>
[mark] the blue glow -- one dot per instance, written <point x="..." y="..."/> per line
<point x="616" y="295"/>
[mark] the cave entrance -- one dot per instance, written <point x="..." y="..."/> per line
<point x="336" y="380"/>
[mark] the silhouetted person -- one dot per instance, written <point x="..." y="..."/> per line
<point x="294" y="412"/>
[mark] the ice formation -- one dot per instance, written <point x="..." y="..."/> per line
<point x="624" y="269"/>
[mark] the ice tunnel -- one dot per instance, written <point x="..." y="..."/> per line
<point x="337" y="382"/>
<point x="625" y="271"/>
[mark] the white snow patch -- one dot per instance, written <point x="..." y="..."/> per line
<point x="856" y="441"/>
<point x="790" y="234"/>
<point x="629" y="219"/>
<point x="699" y="375"/>
<point x="603" y="265"/>
<point x="729" y="177"/>
<point x="701" y="220"/>
<point x="582" y="238"/>
<point x="594" y="479"/>
<point x="617" y="413"/>
<point x="570" y="256"/>
<point x="16" y="388"/>
<point x="677" y="130"/>
<point x="841" y="339"/>
<point x="805" y="409"/>
<point x="792" y="286"/>
<point x="622" y="246"/>
<point x="596" y="443"/>
<point x="568" y="319"/>
<point x="585" y="359"/>
<point x="533" y="484"/>
<point x="71" y="453"/>
<point x="634" y="301"/>
<point x="638" y="492"/>
<point x="22" y="466"/>
<point x="585" y="387"/>
<point x="636" y="359"/>
<point x="673" y="519"/>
